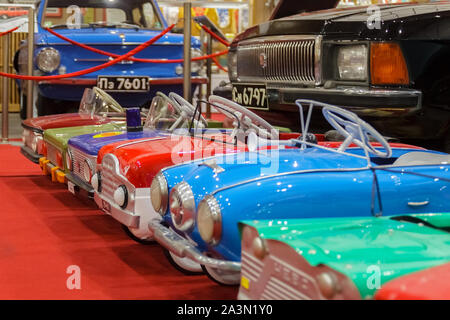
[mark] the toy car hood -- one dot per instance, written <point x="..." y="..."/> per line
<point x="351" y="245"/>
<point x="141" y="160"/>
<point x="63" y="120"/>
<point x="92" y="143"/>
<point x="60" y="137"/>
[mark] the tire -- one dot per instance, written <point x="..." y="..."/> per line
<point x="224" y="278"/>
<point x="137" y="239"/>
<point x="184" y="265"/>
<point x="4" y="17"/>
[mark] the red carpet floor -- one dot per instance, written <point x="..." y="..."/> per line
<point x="44" y="230"/>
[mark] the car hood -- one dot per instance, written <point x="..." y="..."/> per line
<point x="91" y="143"/>
<point x="287" y="8"/>
<point x="242" y="167"/>
<point x="63" y="120"/>
<point x="141" y="159"/>
<point x="105" y="36"/>
<point x="351" y="245"/>
<point x="398" y="21"/>
<point x="60" y="137"/>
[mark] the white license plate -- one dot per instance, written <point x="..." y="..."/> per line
<point x="71" y="187"/>
<point x="124" y="84"/>
<point x="251" y="95"/>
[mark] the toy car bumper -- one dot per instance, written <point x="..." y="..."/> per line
<point x="181" y="247"/>
<point x="124" y="217"/>
<point x="55" y="172"/>
<point x="79" y="187"/>
<point x="30" y="154"/>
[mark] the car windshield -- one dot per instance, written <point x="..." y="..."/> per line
<point x="101" y="13"/>
<point x="93" y="103"/>
<point x="164" y="114"/>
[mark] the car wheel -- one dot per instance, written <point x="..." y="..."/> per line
<point x="184" y="265"/>
<point x="223" y="277"/>
<point x="130" y="233"/>
<point x="4" y="17"/>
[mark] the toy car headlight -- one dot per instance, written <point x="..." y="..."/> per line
<point x="232" y="65"/>
<point x="88" y="171"/>
<point x="48" y="59"/>
<point x="352" y="61"/>
<point x="121" y="196"/>
<point x="69" y="160"/>
<point x="182" y="207"/>
<point x="96" y="182"/>
<point x="209" y="220"/>
<point x="159" y="193"/>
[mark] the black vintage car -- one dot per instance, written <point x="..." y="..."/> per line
<point x="389" y="64"/>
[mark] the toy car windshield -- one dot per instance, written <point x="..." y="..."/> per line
<point x="165" y="114"/>
<point x="97" y="102"/>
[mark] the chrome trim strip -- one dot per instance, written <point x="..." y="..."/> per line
<point x="139" y="141"/>
<point x="179" y="246"/>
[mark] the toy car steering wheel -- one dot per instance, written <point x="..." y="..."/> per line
<point x="111" y="102"/>
<point x="187" y="109"/>
<point x="352" y="127"/>
<point x="248" y="120"/>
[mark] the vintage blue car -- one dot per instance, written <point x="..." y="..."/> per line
<point x="112" y="26"/>
<point x="166" y="114"/>
<point x="208" y="198"/>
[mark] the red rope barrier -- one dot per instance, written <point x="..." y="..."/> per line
<point x="8" y="32"/>
<point x="93" y="69"/>
<point x="113" y="55"/>
<point x="219" y="65"/>
<point x="215" y="36"/>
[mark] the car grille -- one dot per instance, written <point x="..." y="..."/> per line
<point x="79" y="159"/>
<point x="277" y="60"/>
<point x="110" y="181"/>
<point x="52" y="151"/>
<point x="273" y="287"/>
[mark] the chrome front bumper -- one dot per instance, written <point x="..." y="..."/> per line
<point x="124" y="217"/>
<point x="179" y="246"/>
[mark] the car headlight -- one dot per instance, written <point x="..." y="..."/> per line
<point x="96" y="182"/>
<point x="159" y="193"/>
<point x="209" y="220"/>
<point x="121" y="196"/>
<point x="69" y="160"/>
<point x="352" y="61"/>
<point x="25" y="135"/>
<point x="232" y="65"/>
<point x="48" y="59"/>
<point x="34" y="143"/>
<point x="182" y="207"/>
<point x="196" y="66"/>
<point x="88" y="170"/>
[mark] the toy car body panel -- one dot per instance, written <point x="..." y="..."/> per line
<point x="338" y="258"/>
<point x="429" y="284"/>
<point x="297" y="183"/>
<point x="96" y="108"/>
<point x="56" y="141"/>
<point x="55" y="56"/>
<point x="325" y="45"/>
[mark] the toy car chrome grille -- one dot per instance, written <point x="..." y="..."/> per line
<point x="79" y="158"/>
<point x="110" y="179"/>
<point x="278" y="59"/>
<point x="51" y="153"/>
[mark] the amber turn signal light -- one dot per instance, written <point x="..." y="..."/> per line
<point x="387" y="64"/>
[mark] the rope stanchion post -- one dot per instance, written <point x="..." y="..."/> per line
<point x="30" y="83"/>
<point x="208" y="74"/>
<point x="5" y="88"/>
<point x="187" y="88"/>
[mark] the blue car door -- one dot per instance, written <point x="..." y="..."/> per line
<point x="414" y="189"/>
